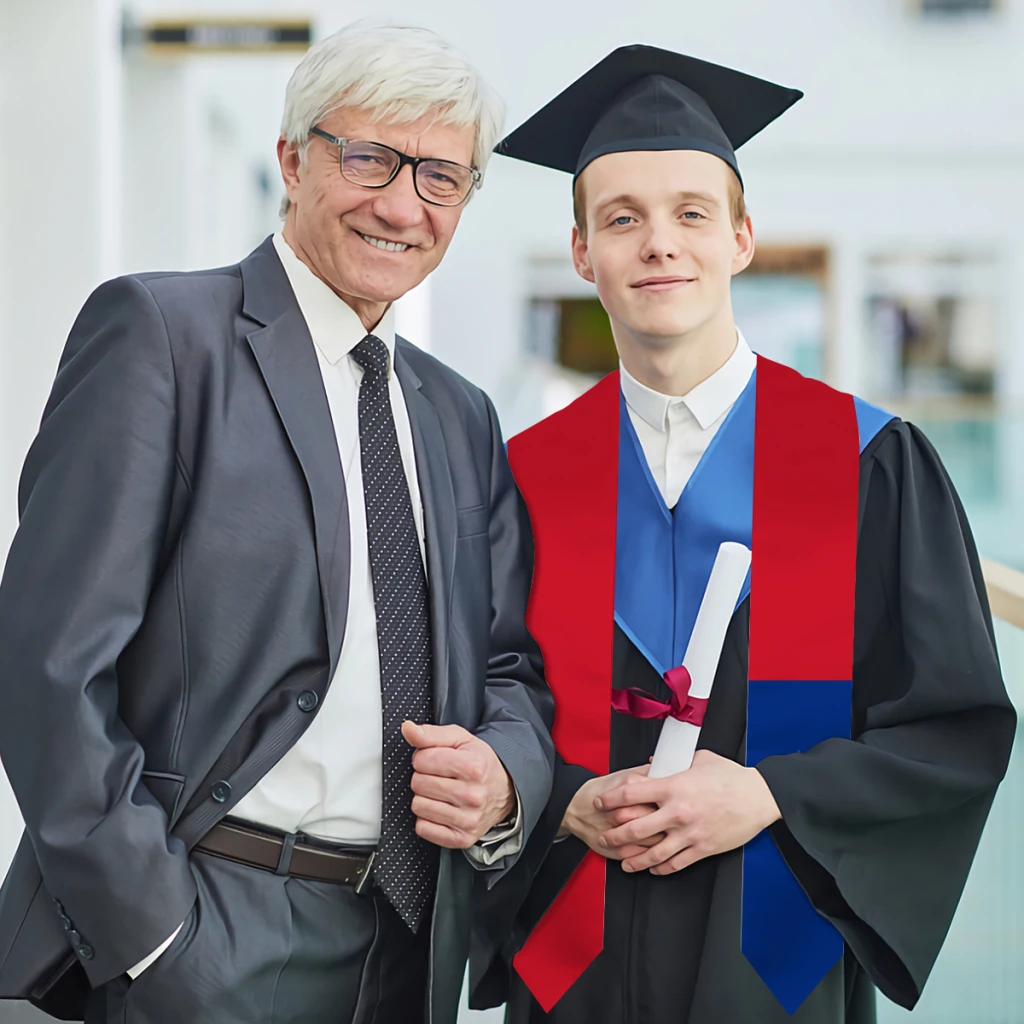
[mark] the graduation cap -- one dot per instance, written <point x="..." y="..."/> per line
<point x="645" y="98"/>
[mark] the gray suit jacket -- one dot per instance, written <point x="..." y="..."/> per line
<point x="180" y="576"/>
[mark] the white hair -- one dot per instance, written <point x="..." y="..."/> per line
<point x="395" y="73"/>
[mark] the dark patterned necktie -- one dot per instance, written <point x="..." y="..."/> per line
<point x="406" y="865"/>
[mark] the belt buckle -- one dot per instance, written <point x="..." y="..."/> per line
<point x="365" y="875"/>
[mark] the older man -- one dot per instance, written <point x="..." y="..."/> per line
<point x="268" y="698"/>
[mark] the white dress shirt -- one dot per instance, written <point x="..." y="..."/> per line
<point x="329" y="784"/>
<point x="675" y="432"/>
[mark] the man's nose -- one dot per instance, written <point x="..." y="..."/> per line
<point x="398" y="204"/>
<point x="661" y="243"/>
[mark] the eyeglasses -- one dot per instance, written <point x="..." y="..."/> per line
<point x="374" y="165"/>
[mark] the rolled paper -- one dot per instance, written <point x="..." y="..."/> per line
<point x="678" y="739"/>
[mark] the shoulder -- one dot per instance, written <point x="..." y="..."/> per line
<point x="168" y="299"/>
<point x="197" y="293"/>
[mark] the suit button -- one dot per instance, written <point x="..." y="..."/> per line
<point x="85" y="952"/>
<point x="75" y="938"/>
<point x="221" y="791"/>
<point x="308" y="700"/>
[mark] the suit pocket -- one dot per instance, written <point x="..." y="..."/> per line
<point x="167" y="788"/>
<point x="473" y="521"/>
<point x="166" y="960"/>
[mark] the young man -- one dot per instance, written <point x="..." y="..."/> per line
<point x="819" y="843"/>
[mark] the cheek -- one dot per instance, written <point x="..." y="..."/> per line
<point x="605" y="279"/>
<point x="442" y="223"/>
<point x="715" y="256"/>
<point x="612" y="272"/>
<point x="330" y="195"/>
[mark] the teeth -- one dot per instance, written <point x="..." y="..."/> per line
<point x="381" y="244"/>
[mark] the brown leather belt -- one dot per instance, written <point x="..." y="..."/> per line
<point x="286" y="855"/>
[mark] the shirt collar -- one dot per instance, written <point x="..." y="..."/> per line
<point x="334" y="325"/>
<point x="708" y="401"/>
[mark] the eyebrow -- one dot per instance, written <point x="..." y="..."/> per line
<point x="700" y="197"/>
<point x="625" y="199"/>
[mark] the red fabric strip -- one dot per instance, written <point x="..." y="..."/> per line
<point x="567" y="470"/>
<point x="803" y="572"/>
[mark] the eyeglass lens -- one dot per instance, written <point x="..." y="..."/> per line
<point x="440" y="181"/>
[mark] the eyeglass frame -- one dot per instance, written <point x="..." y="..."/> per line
<point x="403" y="159"/>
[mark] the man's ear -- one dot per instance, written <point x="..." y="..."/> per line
<point x="288" y="158"/>
<point x="744" y="246"/>
<point x="581" y="256"/>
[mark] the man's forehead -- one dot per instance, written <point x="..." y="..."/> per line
<point x="353" y="118"/>
<point x="644" y="173"/>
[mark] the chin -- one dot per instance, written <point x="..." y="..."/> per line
<point x="666" y="320"/>
<point x="663" y="329"/>
<point x="385" y="288"/>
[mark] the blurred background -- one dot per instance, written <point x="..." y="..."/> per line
<point x="887" y="206"/>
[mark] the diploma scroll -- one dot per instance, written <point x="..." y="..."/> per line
<point x="678" y="740"/>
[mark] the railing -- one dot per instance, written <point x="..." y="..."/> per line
<point x="1005" y="591"/>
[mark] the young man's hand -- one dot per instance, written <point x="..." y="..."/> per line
<point x="584" y="820"/>
<point x="461" y="789"/>
<point x="714" y="806"/>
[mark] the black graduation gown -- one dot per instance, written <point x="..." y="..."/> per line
<point x="880" y="831"/>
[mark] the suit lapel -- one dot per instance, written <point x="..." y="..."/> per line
<point x="439" y="517"/>
<point x="287" y="360"/>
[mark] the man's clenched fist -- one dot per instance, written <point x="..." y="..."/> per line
<point x="461" y="789"/>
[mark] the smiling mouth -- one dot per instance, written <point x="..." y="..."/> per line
<point x="659" y="284"/>
<point x="383" y="243"/>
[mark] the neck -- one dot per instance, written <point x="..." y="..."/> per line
<point x="675" y="366"/>
<point x="370" y="313"/>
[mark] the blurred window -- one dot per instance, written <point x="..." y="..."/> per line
<point x="933" y="330"/>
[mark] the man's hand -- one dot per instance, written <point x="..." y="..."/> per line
<point x="714" y="806"/>
<point x="461" y="787"/>
<point x="586" y="821"/>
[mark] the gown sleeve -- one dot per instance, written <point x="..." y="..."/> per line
<point x="881" y="830"/>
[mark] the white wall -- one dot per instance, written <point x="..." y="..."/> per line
<point x="61" y="168"/>
<point x="197" y="133"/>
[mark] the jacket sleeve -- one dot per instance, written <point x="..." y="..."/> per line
<point x="518" y="706"/>
<point x="93" y="504"/>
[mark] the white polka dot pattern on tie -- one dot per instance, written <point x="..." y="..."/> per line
<point x="406" y="866"/>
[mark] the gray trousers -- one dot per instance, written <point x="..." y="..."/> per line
<point x="260" y="948"/>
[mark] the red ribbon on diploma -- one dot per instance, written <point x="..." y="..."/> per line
<point x="638" y="704"/>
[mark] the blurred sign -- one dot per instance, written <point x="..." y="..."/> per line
<point x="940" y="7"/>
<point x="217" y="35"/>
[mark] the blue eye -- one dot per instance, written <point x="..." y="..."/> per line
<point x="693" y="214"/>
<point x="623" y="220"/>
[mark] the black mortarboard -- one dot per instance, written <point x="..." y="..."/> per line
<point x="646" y="98"/>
